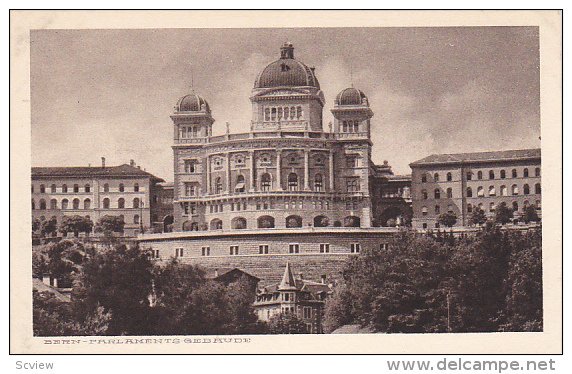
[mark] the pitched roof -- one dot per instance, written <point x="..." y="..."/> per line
<point x="288" y="282"/>
<point x="519" y="154"/>
<point x="89" y="171"/>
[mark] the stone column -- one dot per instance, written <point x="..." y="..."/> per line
<point x="306" y="170"/>
<point x="228" y="183"/>
<point x="278" y="170"/>
<point x="331" y="170"/>
<point x="208" y="171"/>
<point x="252" y="184"/>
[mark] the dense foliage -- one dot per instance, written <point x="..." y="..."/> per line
<point x="440" y="283"/>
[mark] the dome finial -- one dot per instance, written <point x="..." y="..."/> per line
<point x="287" y="50"/>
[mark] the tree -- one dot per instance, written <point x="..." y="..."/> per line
<point x="478" y="217"/>
<point x="530" y="214"/>
<point x="75" y="224"/>
<point x="503" y="214"/>
<point x="286" y="323"/>
<point x="337" y="311"/>
<point x="49" y="227"/>
<point x="120" y="281"/>
<point x="110" y="224"/>
<point x="448" y="219"/>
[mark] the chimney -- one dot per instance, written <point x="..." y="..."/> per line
<point x="323" y="277"/>
<point x="103" y="162"/>
<point x="131" y="162"/>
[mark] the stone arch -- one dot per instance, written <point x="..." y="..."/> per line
<point x="321" y="221"/>
<point x="265" y="222"/>
<point x="391" y="216"/>
<point x="216" y="224"/>
<point x="187" y="225"/>
<point x="352" y="221"/>
<point x="238" y="223"/>
<point x="168" y="221"/>
<point x="293" y="221"/>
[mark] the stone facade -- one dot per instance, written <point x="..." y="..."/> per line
<point x="459" y="183"/>
<point x="94" y="192"/>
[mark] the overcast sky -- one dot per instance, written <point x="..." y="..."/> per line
<point x="433" y="90"/>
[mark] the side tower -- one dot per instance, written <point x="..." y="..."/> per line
<point x="192" y="125"/>
<point x="287" y="96"/>
<point x="352" y="116"/>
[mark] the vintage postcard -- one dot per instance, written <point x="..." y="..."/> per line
<point x="286" y="182"/>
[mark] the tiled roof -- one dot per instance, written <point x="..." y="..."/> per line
<point x="89" y="171"/>
<point x="479" y="157"/>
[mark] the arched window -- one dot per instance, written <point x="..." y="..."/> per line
<point x="105" y="203"/>
<point x="538" y="205"/>
<point x="64" y="188"/>
<point x="321" y="221"/>
<point x="76" y="188"/>
<point x="75" y="203"/>
<point x="423" y="178"/>
<point x="436" y="177"/>
<point x="64" y="204"/>
<point x="238" y="223"/>
<point x="469" y="176"/>
<point x="491" y="174"/>
<point x="136" y="219"/>
<point x="136" y="187"/>
<point x="293" y="221"/>
<point x="87" y="188"/>
<point x="424" y="210"/>
<point x="121" y="187"/>
<point x="469" y="208"/>
<point x="469" y="192"/>
<point x="515" y="206"/>
<point x="449" y="193"/>
<point x="424" y="194"/>
<point x="480" y="191"/>
<point x="53" y="204"/>
<point x="437" y="193"/>
<point x="492" y="206"/>
<point x="503" y="190"/>
<point x="106" y="187"/>
<point x="265" y="222"/>
<point x="293" y="182"/>
<point x="136" y="203"/>
<point x="492" y="191"/>
<point x="449" y="177"/>
<point x="121" y="203"/>
<point x="53" y="188"/>
<point x="218" y="185"/>
<point x="526" y="189"/>
<point x="437" y="209"/>
<point x="525" y="172"/>
<point x="265" y="182"/>
<point x="514" y="189"/>
<point x="537" y="189"/>
<point x="318" y="182"/>
<point x="514" y="173"/>
<point x="503" y="174"/>
<point x="216" y="224"/>
<point x="240" y="184"/>
<point x="537" y="172"/>
<point x="525" y="205"/>
<point x="352" y="221"/>
<point x="87" y="204"/>
<point x="42" y="188"/>
<point x="42" y="204"/>
<point x="450" y="208"/>
<point x="479" y="175"/>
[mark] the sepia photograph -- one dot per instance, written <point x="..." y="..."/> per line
<point x="350" y="181"/>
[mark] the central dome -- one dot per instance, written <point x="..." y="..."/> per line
<point x="286" y="72"/>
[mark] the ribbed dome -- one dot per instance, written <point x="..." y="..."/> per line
<point x="351" y="96"/>
<point x="191" y="103"/>
<point x="286" y="71"/>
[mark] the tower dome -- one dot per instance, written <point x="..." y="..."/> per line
<point x="192" y="103"/>
<point x="286" y="72"/>
<point x="350" y="97"/>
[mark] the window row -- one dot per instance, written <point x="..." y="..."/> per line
<point x="65" y="204"/>
<point x="286" y="113"/>
<point x="136" y="203"/>
<point x="504" y="191"/>
<point x="86" y="188"/>
<point x="350" y="126"/>
<point x="425" y="210"/>
<point x="514" y="206"/>
<point x="491" y="175"/>
<point x="268" y="222"/>
<point x="437" y="193"/>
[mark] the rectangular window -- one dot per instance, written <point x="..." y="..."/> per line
<point x="179" y="252"/>
<point x="263" y="249"/>
<point x="294" y="248"/>
<point x="307" y="312"/>
<point x="193" y="209"/>
<point x="205" y="251"/>
<point x="384" y="246"/>
<point x="352" y="184"/>
<point x="325" y="248"/>
<point x="234" y="250"/>
<point x="190" y="166"/>
<point x="186" y="209"/>
<point x="355" y="248"/>
<point x="351" y="162"/>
